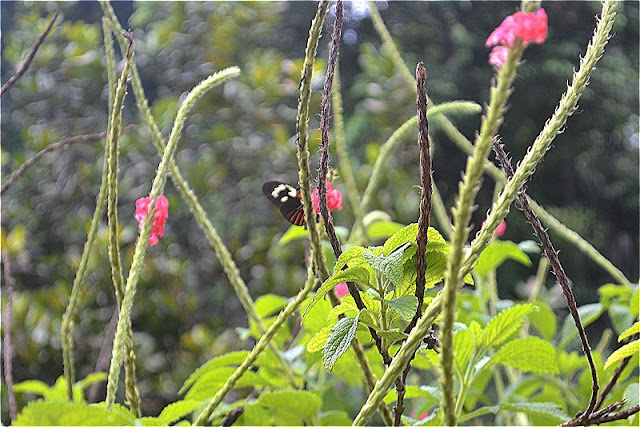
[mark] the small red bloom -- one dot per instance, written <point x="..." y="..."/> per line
<point x="498" y="56"/>
<point x="529" y="27"/>
<point x="500" y="229"/>
<point x="342" y="289"/>
<point x="159" y="217"/>
<point x="334" y="198"/>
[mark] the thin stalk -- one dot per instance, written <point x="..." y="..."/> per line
<point x="440" y="212"/>
<point x="141" y="244"/>
<point x="7" y="317"/>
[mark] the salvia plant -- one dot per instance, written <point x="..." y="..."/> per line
<point x="414" y="321"/>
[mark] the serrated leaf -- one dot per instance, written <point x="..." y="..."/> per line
<point x="544" y="320"/>
<point x="305" y="404"/>
<point x="269" y="304"/>
<point x="549" y="409"/>
<point x="405" y="306"/>
<point x="176" y="410"/>
<point x="150" y="421"/>
<point x="631" y="395"/>
<point x="588" y="314"/>
<point x="294" y="232"/>
<point x="393" y="335"/>
<point x="463" y="346"/>
<point x="408" y="234"/>
<point x="232" y="358"/>
<point x="622" y="353"/>
<point x="354" y="252"/>
<point x="46" y="413"/>
<point x="496" y="253"/>
<point x="530" y="354"/>
<point x="317" y="342"/>
<point x="382" y="229"/>
<point x="505" y="324"/>
<point x="351" y="274"/>
<point x="634" y="329"/>
<point x="390" y="266"/>
<point x="339" y="341"/>
<point x="208" y="384"/>
<point x="32" y="386"/>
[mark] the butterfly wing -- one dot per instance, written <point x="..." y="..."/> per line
<point x="286" y="198"/>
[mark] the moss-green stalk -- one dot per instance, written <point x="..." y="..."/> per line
<point x="115" y="121"/>
<point x="441" y="212"/>
<point x="552" y="127"/>
<point x="203" y="417"/>
<point x="465" y="145"/>
<point x="141" y="244"/>
<point x="221" y="251"/>
<point x="461" y="216"/>
<point x="304" y="169"/>
<point x="346" y="170"/>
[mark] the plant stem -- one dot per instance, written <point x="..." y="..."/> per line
<point x="7" y="317"/>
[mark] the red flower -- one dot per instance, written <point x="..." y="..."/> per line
<point x="500" y="229"/>
<point x="529" y="27"/>
<point x="342" y="289"/>
<point x="159" y="217"/>
<point x="334" y="198"/>
<point x="498" y="56"/>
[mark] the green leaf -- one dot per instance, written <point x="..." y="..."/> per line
<point x="464" y="346"/>
<point x="334" y="418"/>
<point x="339" y="341"/>
<point x="622" y="353"/>
<point x="303" y="404"/>
<point x="631" y="395"/>
<point x="393" y="335"/>
<point x="530" y="354"/>
<point x="269" y="304"/>
<point x="537" y="408"/>
<point x="390" y="266"/>
<point x="382" y="229"/>
<point x="32" y="386"/>
<point x="436" y="266"/>
<point x="317" y="342"/>
<point x="150" y="421"/>
<point x="176" y="410"/>
<point x="233" y="358"/>
<point x="208" y="384"/>
<point x="431" y="394"/>
<point x="620" y="316"/>
<point x="634" y="329"/>
<point x="351" y="274"/>
<point x="294" y="232"/>
<point x="505" y="324"/>
<point x="354" y="252"/>
<point x="498" y="252"/>
<point x="90" y="379"/>
<point x="405" y="306"/>
<point x="46" y="413"/>
<point x="544" y="320"/>
<point x="408" y="234"/>
<point x="588" y="314"/>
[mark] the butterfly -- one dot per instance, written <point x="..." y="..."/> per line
<point x="287" y="198"/>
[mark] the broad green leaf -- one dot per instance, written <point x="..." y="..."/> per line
<point x="622" y="353"/>
<point x="631" y="395"/>
<point x="537" y="408"/>
<point x="334" y="418"/>
<point x="431" y="394"/>
<point x="208" y="384"/>
<point x="317" y="342"/>
<point x="339" y="341"/>
<point x="485" y="410"/>
<point x="45" y="413"/>
<point x="317" y="318"/>
<point x="530" y="354"/>
<point x="498" y="252"/>
<point x="436" y="266"/>
<point x="354" y="252"/>
<point x="463" y="346"/>
<point x="588" y="314"/>
<point x="338" y="310"/>
<point x="611" y="293"/>
<point x="269" y="304"/>
<point x="544" y="320"/>
<point x="505" y="324"/>
<point x="390" y="266"/>
<point x="351" y="274"/>
<point x="176" y="410"/>
<point x="304" y="404"/>
<point x="620" y="316"/>
<point x="150" y="421"/>
<point x="392" y="335"/>
<point x="294" y="232"/>
<point x="232" y="358"/>
<point x="90" y="379"/>
<point x="32" y="386"/>
<point x="408" y="234"/>
<point x="405" y="306"/>
<point x="382" y="229"/>
<point x="635" y="303"/>
<point x="634" y="329"/>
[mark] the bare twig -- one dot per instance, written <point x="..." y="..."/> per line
<point x="52" y="147"/>
<point x="602" y="416"/>
<point x="559" y="272"/>
<point x="102" y="363"/>
<point x="423" y="223"/>
<point x="24" y="66"/>
<point x="232" y="416"/>
<point x="8" y="346"/>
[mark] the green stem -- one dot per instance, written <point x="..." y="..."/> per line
<point x="141" y="244"/>
<point x="440" y="212"/>
<point x="462" y="214"/>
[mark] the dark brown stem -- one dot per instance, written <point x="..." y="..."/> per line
<point x="104" y="357"/>
<point x="614" y="378"/>
<point x="602" y="416"/>
<point x="8" y="346"/>
<point x="232" y="416"/>
<point x="423" y="222"/>
<point x="559" y="272"/>
<point x="52" y="147"/>
<point x="24" y="66"/>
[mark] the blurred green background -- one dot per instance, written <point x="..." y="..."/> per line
<point x="243" y="134"/>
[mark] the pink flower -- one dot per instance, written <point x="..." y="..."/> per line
<point x="342" y="289"/>
<point x="498" y="56"/>
<point x="500" y="229"/>
<point x="159" y="217"/>
<point x="529" y="27"/>
<point x="334" y="198"/>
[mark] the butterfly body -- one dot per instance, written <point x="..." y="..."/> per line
<point x="287" y="198"/>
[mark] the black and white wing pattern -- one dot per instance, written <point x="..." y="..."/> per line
<point x="287" y="198"/>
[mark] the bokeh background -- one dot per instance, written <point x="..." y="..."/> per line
<point x="243" y="134"/>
